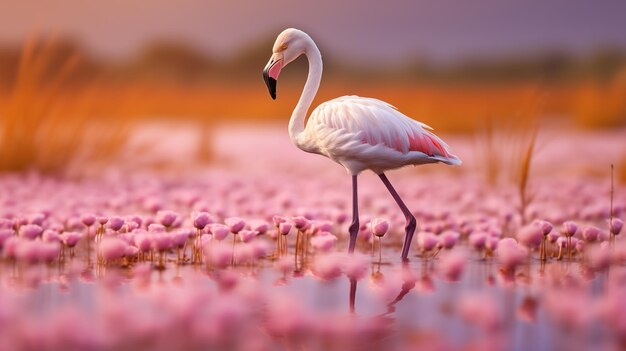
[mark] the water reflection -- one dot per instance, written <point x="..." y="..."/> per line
<point x="398" y="296"/>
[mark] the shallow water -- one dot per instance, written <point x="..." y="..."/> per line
<point x="422" y="306"/>
<point x="128" y="304"/>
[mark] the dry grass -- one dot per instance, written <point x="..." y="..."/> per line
<point x="524" y="176"/>
<point x="452" y="108"/>
<point x="49" y="127"/>
<point x="602" y="104"/>
<point x="456" y="108"/>
<point x="490" y="162"/>
<point x="528" y="128"/>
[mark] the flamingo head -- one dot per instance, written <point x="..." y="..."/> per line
<point x="289" y="45"/>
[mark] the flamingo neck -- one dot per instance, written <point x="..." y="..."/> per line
<point x="298" y="116"/>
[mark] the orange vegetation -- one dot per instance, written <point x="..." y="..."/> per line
<point x="457" y="108"/>
<point x="48" y="125"/>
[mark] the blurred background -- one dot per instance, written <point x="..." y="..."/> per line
<point x="81" y="80"/>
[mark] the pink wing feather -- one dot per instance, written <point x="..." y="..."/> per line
<point x="378" y="122"/>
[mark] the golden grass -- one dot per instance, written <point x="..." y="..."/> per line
<point x="452" y="108"/>
<point x="489" y="153"/>
<point x="524" y="176"/>
<point x="48" y="127"/>
<point x="527" y="127"/>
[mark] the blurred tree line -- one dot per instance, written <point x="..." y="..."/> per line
<point x="177" y="62"/>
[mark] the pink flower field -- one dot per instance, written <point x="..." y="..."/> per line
<point x="250" y="252"/>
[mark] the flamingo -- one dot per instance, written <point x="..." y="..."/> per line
<point x="356" y="132"/>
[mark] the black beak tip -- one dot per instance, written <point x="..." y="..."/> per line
<point x="272" y="88"/>
<point x="271" y="83"/>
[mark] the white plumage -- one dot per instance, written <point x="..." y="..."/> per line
<point x="364" y="133"/>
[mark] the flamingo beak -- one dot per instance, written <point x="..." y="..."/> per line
<point x="270" y="75"/>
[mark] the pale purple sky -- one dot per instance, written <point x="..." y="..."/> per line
<point x="348" y="29"/>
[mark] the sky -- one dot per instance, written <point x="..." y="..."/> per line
<point x="363" y="30"/>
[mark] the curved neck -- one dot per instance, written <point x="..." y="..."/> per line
<point x="298" y="116"/>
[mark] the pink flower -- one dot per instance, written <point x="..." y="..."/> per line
<point x="161" y="241"/>
<point x="578" y="244"/>
<point x="48" y="251"/>
<point x="553" y="237"/>
<point x="50" y="236"/>
<point x="616" y="226"/>
<point x="167" y="218"/>
<point x="10" y="246"/>
<point x="131" y="251"/>
<point x="219" y="231"/>
<point x="478" y="240"/>
<point x="7" y="223"/>
<point x="143" y="242"/>
<point x="37" y="218"/>
<point x="380" y="226"/>
<point x="30" y="231"/>
<point x="531" y="236"/>
<point x="321" y="226"/>
<point x="569" y="228"/>
<point x="356" y="266"/>
<point x="131" y="225"/>
<point x="448" y="239"/>
<point x="328" y="267"/>
<point x="323" y="242"/>
<point x="135" y="220"/>
<point x="235" y="224"/>
<point x="278" y="220"/>
<point x="88" y="219"/>
<point x="27" y="251"/>
<point x="546" y="227"/>
<point x="219" y="255"/>
<point x="510" y="253"/>
<point x="260" y="226"/>
<point x="116" y="223"/>
<point x="179" y="238"/>
<point x="112" y="248"/>
<point x="340" y="216"/>
<point x="591" y="233"/>
<point x="201" y="220"/>
<point x="70" y="238"/>
<point x="301" y="223"/>
<point x="247" y="235"/>
<point x="284" y="228"/>
<point x="427" y="241"/>
<point x="4" y="235"/>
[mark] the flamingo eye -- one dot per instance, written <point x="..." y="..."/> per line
<point x="283" y="47"/>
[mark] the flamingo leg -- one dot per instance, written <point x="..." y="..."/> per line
<point x="354" y="226"/>
<point x="352" y="295"/>
<point x="411" y="223"/>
